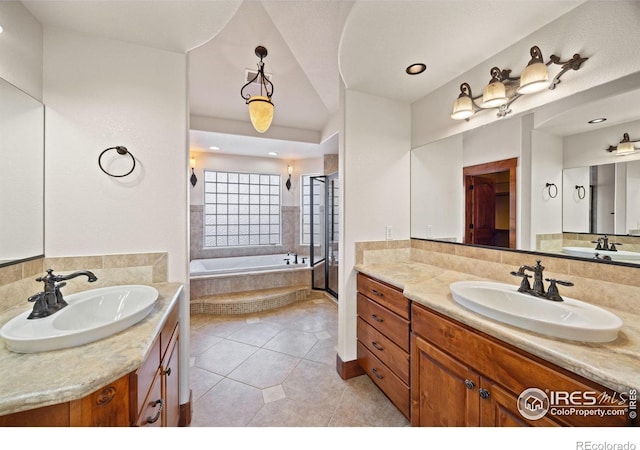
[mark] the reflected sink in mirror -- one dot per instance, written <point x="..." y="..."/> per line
<point x="571" y="319"/>
<point x="90" y="316"/>
<point x="586" y="252"/>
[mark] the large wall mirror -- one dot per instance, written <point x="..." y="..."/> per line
<point x="557" y="151"/>
<point x="22" y="175"/>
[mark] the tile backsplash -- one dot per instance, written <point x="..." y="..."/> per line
<point x="17" y="282"/>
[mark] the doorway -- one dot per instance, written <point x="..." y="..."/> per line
<point x="490" y="203"/>
<point x="323" y="251"/>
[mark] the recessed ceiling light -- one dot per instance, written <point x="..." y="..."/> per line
<point x="213" y="147"/>
<point x="272" y="154"/>
<point x="0" y="28"/>
<point x="598" y="120"/>
<point x="415" y="69"/>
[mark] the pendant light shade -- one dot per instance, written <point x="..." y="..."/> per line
<point x="260" y="112"/>
<point x="535" y="76"/>
<point x="260" y="106"/>
<point x="625" y="148"/>
<point x="463" y="106"/>
<point x="495" y="93"/>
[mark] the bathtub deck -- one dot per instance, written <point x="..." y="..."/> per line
<point x="249" y="301"/>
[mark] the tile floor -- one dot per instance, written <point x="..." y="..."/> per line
<point x="277" y="369"/>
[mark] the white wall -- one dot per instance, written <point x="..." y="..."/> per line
<point x="632" y="196"/>
<point x="592" y="29"/>
<point x="100" y="93"/>
<point x="21" y="48"/>
<point x="436" y="186"/>
<point x="375" y="169"/>
<point x="546" y="167"/>
<point x="575" y="210"/>
<point x="223" y="161"/>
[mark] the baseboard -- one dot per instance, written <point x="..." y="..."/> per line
<point x="348" y="369"/>
<point x="185" y="412"/>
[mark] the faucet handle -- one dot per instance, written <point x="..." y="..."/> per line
<point x="612" y="246"/>
<point x="524" y="285"/>
<point x="552" y="293"/>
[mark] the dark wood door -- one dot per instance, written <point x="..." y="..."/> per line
<point x="444" y="392"/>
<point x="481" y="205"/>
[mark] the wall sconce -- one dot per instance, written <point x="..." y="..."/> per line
<point x="260" y="106"/>
<point x="194" y="179"/>
<point x="289" y="171"/>
<point x="625" y="147"/>
<point x="503" y="89"/>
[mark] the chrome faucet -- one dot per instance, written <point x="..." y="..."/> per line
<point x="50" y="300"/>
<point x="538" y="285"/>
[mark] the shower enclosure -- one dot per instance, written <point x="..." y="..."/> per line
<point x="324" y="220"/>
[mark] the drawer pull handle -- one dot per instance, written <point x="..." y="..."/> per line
<point x="168" y="372"/>
<point x="157" y="416"/>
<point x="376" y="318"/>
<point x="377" y="346"/>
<point x="469" y="384"/>
<point x="484" y="393"/>
<point x="375" y="372"/>
<point x="379" y="294"/>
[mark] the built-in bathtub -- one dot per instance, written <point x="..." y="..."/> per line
<point x="245" y="284"/>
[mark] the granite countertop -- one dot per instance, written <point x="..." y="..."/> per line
<point x="614" y="364"/>
<point x="29" y="381"/>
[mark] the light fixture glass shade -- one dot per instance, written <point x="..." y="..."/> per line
<point x="462" y="108"/>
<point x="534" y="78"/>
<point x="260" y="112"/>
<point x="494" y="95"/>
<point x="625" y="148"/>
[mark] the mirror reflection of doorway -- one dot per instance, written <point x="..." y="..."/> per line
<point x="490" y="203"/>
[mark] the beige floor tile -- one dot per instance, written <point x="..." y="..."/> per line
<point x="201" y="342"/>
<point x="256" y="334"/>
<point x="315" y="384"/>
<point x="202" y="381"/>
<point x="273" y="393"/>
<point x="289" y="413"/>
<point x="264" y="368"/>
<point x="292" y="342"/>
<point x="228" y="404"/>
<point x="224" y="357"/>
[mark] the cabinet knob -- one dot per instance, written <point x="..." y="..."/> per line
<point x="376" y="293"/>
<point x="167" y="372"/>
<point x="375" y="372"/>
<point x="376" y="318"/>
<point x="157" y="416"/>
<point x="484" y="393"/>
<point x="469" y="384"/>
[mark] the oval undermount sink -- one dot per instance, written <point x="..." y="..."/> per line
<point x="91" y="315"/>
<point x="571" y="319"/>
<point x="587" y="252"/>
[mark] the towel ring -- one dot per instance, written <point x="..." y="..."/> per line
<point x="581" y="191"/>
<point x="121" y="151"/>
<point x="552" y="185"/>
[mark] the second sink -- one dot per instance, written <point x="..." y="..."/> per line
<point x="571" y="319"/>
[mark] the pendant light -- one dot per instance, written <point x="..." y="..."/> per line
<point x="260" y="106"/>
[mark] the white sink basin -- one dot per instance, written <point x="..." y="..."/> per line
<point x="90" y="316"/>
<point x="586" y="252"/>
<point x="570" y="319"/>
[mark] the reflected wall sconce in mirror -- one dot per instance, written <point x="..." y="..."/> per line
<point x="120" y="150"/>
<point x="289" y="171"/>
<point x="503" y="89"/>
<point x="193" y="178"/>
<point x="552" y="190"/>
<point x="260" y="106"/>
<point x="625" y="147"/>
<point x="581" y="192"/>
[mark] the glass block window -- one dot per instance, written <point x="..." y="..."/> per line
<point x="241" y="209"/>
<point x="307" y="215"/>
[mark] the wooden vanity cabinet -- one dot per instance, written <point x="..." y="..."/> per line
<point x="461" y="377"/>
<point x="154" y="392"/>
<point x="383" y="339"/>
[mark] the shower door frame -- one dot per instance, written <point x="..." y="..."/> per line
<point x="323" y="179"/>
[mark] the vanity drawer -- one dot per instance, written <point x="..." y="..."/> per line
<point x="385" y="379"/>
<point x="142" y="378"/>
<point x="386" y="350"/>
<point x="384" y="294"/>
<point x="386" y="322"/>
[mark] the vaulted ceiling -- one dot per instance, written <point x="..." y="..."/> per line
<point x="311" y="45"/>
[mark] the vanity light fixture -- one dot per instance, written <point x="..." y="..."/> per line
<point x="503" y="89"/>
<point x="289" y="171"/>
<point x="260" y="106"/>
<point x="193" y="179"/>
<point x="625" y="147"/>
<point x="416" y="69"/>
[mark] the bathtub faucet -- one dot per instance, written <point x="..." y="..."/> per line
<point x="295" y="257"/>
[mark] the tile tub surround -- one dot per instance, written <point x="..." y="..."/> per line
<point x="17" y="282"/>
<point x="23" y="386"/>
<point x="432" y="266"/>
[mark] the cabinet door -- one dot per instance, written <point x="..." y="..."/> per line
<point x="152" y="410"/>
<point x="171" y="381"/>
<point x="444" y="392"/>
<point x="500" y="409"/>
